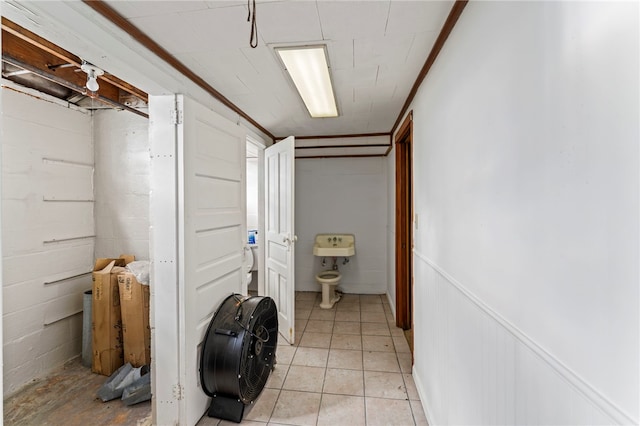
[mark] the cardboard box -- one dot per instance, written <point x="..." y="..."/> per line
<point x="136" y="333"/>
<point x="106" y="324"/>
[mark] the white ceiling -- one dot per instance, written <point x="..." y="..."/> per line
<point x="376" y="50"/>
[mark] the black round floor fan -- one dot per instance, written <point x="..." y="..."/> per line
<point x="238" y="354"/>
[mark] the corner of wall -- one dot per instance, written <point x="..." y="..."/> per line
<point x="121" y="183"/>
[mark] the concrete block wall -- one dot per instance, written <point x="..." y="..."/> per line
<point x="47" y="232"/>
<point x="343" y="195"/>
<point x="121" y="183"/>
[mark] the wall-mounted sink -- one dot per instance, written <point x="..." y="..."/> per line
<point x="334" y="245"/>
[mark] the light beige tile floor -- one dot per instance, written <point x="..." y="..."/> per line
<point x="350" y="366"/>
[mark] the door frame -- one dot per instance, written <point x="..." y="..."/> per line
<point x="163" y="253"/>
<point x="404" y="220"/>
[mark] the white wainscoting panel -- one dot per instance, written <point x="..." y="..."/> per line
<point x="473" y="367"/>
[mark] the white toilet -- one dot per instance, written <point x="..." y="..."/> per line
<point x="248" y="263"/>
<point x="329" y="280"/>
<point x="332" y="246"/>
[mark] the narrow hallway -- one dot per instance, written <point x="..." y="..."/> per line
<point x="350" y="365"/>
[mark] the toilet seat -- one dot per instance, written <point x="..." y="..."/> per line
<point x="329" y="277"/>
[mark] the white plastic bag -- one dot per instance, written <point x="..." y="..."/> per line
<point x="140" y="268"/>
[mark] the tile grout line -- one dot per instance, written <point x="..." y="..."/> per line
<point x="386" y="329"/>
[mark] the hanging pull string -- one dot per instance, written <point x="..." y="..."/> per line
<point x="253" y="38"/>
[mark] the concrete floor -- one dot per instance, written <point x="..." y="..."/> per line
<point x="68" y="397"/>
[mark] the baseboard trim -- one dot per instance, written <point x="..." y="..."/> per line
<point x="392" y="304"/>
<point x="423" y="396"/>
<point x="582" y="386"/>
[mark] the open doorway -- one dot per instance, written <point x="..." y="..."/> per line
<point x="404" y="234"/>
<point x="255" y="215"/>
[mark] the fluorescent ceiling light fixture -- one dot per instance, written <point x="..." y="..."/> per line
<point x="309" y="71"/>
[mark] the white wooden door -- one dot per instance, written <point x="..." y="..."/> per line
<point x="212" y="215"/>
<point x="279" y="235"/>
<point x="213" y="155"/>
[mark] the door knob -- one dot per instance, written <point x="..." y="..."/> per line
<point x="290" y="240"/>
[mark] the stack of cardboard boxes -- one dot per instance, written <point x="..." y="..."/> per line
<point x="120" y="323"/>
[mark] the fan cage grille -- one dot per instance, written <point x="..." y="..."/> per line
<point x="258" y="356"/>
<point x="239" y="348"/>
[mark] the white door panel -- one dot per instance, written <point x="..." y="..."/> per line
<point x="198" y="235"/>
<point x="279" y="232"/>
<point x="211" y="152"/>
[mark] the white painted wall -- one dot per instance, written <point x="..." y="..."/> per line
<point x="343" y="195"/>
<point x="47" y="233"/>
<point x="526" y="185"/>
<point x="121" y="184"/>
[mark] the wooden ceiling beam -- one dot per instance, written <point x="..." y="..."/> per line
<point x="22" y="37"/>
<point x="312" y="157"/>
<point x="454" y="14"/>
<point x="371" y="145"/>
<point x="45" y="62"/>
<point x="351" y="135"/>
<point x="66" y="83"/>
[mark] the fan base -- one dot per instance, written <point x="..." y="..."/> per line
<point x="226" y="408"/>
